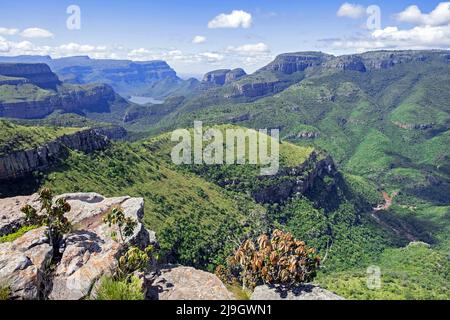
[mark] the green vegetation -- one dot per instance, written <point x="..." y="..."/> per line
<point x="23" y="92"/>
<point x="111" y="289"/>
<point x="13" y="236"/>
<point x="5" y="293"/>
<point x="17" y="137"/>
<point x="415" y="272"/>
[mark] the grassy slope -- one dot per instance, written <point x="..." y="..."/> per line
<point x="17" y="137"/>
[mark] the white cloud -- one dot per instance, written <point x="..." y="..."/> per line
<point x="36" y="33"/>
<point x="419" y="37"/>
<point x="250" y="49"/>
<point x="235" y="19"/>
<point x="8" y="31"/>
<point x="211" y="56"/>
<point x="438" y="17"/>
<point x="351" y="10"/>
<point x="199" y="39"/>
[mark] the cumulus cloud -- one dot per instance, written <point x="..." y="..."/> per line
<point x="438" y="17"/>
<point x="235" y="19"/>
<point x="250" y="49"/>
<point x="351" y="10"/>
<point x="36" y="33"/>
<point x="419" y="37"/>
<point x="199" y="39"/>
<point x="9" y="31"/>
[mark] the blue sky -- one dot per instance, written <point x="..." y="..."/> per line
<point x="249" y="38"/>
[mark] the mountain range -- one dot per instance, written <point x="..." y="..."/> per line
<point x="364" y="175"/>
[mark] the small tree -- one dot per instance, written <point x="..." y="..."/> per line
<point x="277" y="260"/>
<point x="134" y="259"/>
<point x="125" y="225"/>
<point x="52" y="216"/>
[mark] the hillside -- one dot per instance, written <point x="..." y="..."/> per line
<point x="380" y="115"/>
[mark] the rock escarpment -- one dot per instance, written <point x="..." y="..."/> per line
<point x="223" y="76"/>
<point x="21" y="163"/>
<point x="294" y="181"/>
<point x="38" y="74"/>
<point x="89" y="252"/>
<point x="289" y="63"/>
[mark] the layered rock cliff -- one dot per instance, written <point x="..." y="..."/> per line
<point x="30" y="91"/>
<point x="223" y="76"/>
<point x="38" y="74"/>
<point x="294" y="181"/>
<point x="22" y="163"/>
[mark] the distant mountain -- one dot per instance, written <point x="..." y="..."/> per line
<point x="382" y="115"/>
<point x="32" y="90"/>
<point x="151" y="78"/>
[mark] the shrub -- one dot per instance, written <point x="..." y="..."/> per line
<point x="134" y="260"/>
<point x="277" y="260"/>
<point x="112" y="289"/>
<point x="5" y="293"/>
<point x="125" y="225"/>
<point x="52" y="216"/>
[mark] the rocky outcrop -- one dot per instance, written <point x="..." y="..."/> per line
<point x="11" y="218"/>
<point x="234" y="75"/>
<point x="256" y="89"/>
<point x="21" y="163"/>
<point x="303" y="292"/>
<point x="410" y="126"/>
<point x="289" y="63"/>
<point x="37" y="73"/>
<point x="185" y="283"/>
<point x="216" y="77"/>
<point x="88" y="252"/>
<point x="223" y="76"/>
<point x="294" y="181"/>
<point x="24" y="264"/>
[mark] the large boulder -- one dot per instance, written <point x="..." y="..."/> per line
<point x="24" y="263"/>
<point x="302" y="292"/>
<point x="11" y="218"/>
<point x="89" y="252"/>
<point x="185" y="283"/>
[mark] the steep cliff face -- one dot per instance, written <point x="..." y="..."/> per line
<point x="38" y="74"/>
<point x="289" y="63"/>
<point x="292" y="181"/>
<point x="223" y="76"/>
<point x="29" y="91"/>
<point x="22" y="163"/>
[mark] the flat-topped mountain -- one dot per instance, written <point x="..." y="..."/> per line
<point x="37" y="74"/>
<point x="30" y="91"/>
<point x="149" y="78"/>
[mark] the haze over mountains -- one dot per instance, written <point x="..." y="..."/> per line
<point x="365" y="155"/>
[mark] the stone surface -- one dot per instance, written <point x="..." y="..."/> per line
<point x="11" y="218"/>
<point x="304" y="292"/>
<point x="185" y="283"/>
<point x="90" y="251"/>
<point x="23" y="264"/>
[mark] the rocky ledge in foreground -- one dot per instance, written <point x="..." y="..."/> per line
<point x="301" y="292"/>
<point x="88" y="253"/>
